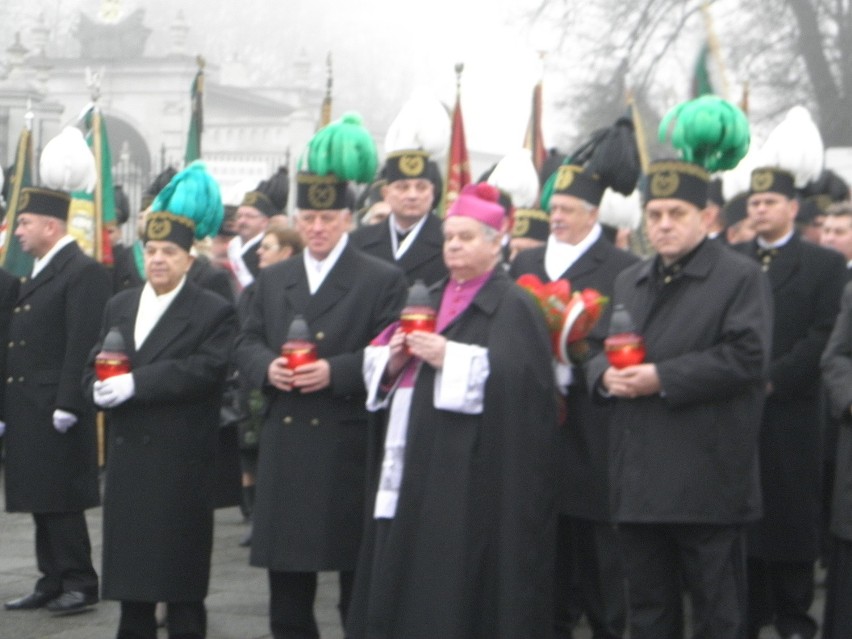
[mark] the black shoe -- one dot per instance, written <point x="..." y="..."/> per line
<point x="71" y="602"/>
<point x="31" y="601"/>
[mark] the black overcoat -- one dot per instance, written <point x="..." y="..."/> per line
<point x="470" y="551"/>
<point x="807" y="283"/>
<point x="54" y="324"/>
<point x="584" y="437"/>
<point x="125" y="273"/>
<point x="9" y="285"/>
<point x="837" y="378"/>
<point x="424" y="259"/>
<point x="158" y="491"/>
<point x="311" y="467"/>
<point x="690" y="455"/>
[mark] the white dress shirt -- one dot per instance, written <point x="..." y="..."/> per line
<point x="151" y="309"/>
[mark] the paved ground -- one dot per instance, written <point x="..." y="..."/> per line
<point x="237" y="603"/>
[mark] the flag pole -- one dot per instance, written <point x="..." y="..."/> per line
<point x="715" y="49"/>
<point x="23" y="155"/>
<point x="639" y="131"/>
<point x="325" y="112"/>
<point x="449" y="182"/>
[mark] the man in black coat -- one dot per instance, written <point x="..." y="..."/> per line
<point x="684" y="426"/>
<point x="589" y="573"/>
<point x="51" y="464"/>
<point x="806" y="281"/>
<point x="459" y="537"/>
<point x="267" y="199"/>
<point x="411" y="237"/>
<point x="311" y="468"/>
<point x="837" y="378"/>
<point x="159" y="488"/>
<point x="9" y="285"/>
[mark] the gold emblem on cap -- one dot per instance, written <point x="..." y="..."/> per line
<point x="321" y="196"/>
<point x="158" y="228"/>
<point x="24" y="201"/>
<point x="564" y="178"/>
<point x="250" y="198"/>
<point x="762" y="180"/>
<point x="664" y="183"/>
<point x="521" y="226"/>
<point x="411" y="165"/>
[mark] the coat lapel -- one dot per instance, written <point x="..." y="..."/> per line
<point x="428" y="240"/>
<point x="786" y="263"/>
<point x="587" y="262"/>
<point x="335" y="285"/>
<point x="55" y="266"/>
<point x="169" y="327"/>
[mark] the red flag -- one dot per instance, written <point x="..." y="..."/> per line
<point x="458" y="164"/>
<point x="534" y="140"/>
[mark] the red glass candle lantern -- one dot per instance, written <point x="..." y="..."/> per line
<point x="418" y="314"/>
<point x="299" y="349"/>
<point x="113" y="359"/>
<point x="624" y="346"/>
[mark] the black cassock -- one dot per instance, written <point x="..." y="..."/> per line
<point x="469" y="552"/>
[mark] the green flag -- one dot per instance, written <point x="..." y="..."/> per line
<point x="196" y="121"/>
<point x="90" y="214"/>
<point x="13" y="257"/>
<point x="701" y="80"/>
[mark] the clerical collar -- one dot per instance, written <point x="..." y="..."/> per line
<point x="457" y="297"/>
<point x="560" y="256"/>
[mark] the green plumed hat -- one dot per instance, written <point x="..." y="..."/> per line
<point x="708" y="131"/>
<point x="340" y="152"/>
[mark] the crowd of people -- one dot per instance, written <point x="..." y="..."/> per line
<point x="463" y="479"/>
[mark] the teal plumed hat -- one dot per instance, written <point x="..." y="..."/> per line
<point x="188" y="208"/>
<point x="340" y="152"/>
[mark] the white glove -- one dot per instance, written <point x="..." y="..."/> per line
<point x="2" y="428"/>
<point x="114" y="391"/>
<point x="63" y="420"/>
<point x="564" y="376"/>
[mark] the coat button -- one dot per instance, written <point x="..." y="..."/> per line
<point x="287" y="420"/>
<point x="17" y="309"/>
<point x="119" y="440"/>
<point x="27" y="307"/>
<point x="11" y="344"/>
<point x="320" y="336"/>
<point x="10" y="380"/>
<point x="146" y="439"/>
<point x="23" y="342"/>
<point x="21" y="378"/>
<point x="314" y="422"/>
<point x="23" y="279"/>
